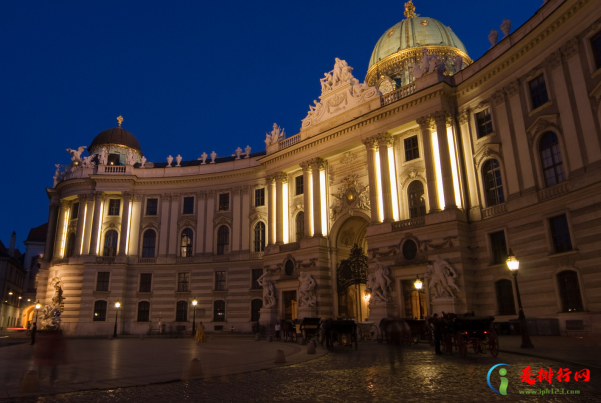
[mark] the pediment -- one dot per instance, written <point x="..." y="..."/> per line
<point x="544" y="122"/>
<point x="186" y="223"/>
<point x="222" y="220"/>
<point x="487" y="150"/>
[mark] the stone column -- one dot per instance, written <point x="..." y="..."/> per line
<point x="236" y="226"/>
<point x="173" y="242"/>
<point x="425" y="125"/>
<point x="210" y="230"/>
<point x="124" y="223"/>
<point x="98" y="200"/>
<point x="81" y="219"/>
<point x="371" y="146"/>
<point x="245" y="242"/>
<point x="87" y="231"/>
<point x="280" y="179"/>
<point x="385" y="140"/>
<point x="200" y="219"/>
<point x="307" y="197"/>
<point x="51" y="233"/>
<point x="270" y="190"/>
<point x="61" y="227"/>
<point x="463" y="119"/>
<point x="316" y="165"/>
<point x="443" y="120"/>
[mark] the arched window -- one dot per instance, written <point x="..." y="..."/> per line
<point x="70" y="245"/>
<point x="99" y="311"/>
<point x="569" y="290"/>
<point x="550" y="158"/>
<point x="255" y="307"/>
<point x="259" y="237"/>
<point x="181" y="311"/>
<point x="300" y="226"/>
<point x="493" y="184"/>
<point x="417" y="203"/>
<point x="219" y="311"/>
<point x="110" y="243"/>
<point x="143" y="311"/>
<point x="149" y="243"/>
<point x="186" y="244"/>
<point x="505" y="301"/>
<point x="223" y="240"/>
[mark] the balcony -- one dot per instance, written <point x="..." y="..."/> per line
<point x="147" y="260"/>
<point x="551" y="192"/>
<point x="493" y="211"/>
<point x="412" y="222"/>
<point x="397" y="94"/>
<point x="289" y="247"/>
<point x="289" y="141"/>
<point x="105" y="259"/>
<point x="187" y="259"/>
<point x="221" y="258"/>
<point x="114" y="169"/>
<point x="256" y="255"/>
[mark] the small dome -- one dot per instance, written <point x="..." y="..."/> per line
<point x="115" y="136"/>
<point x="415" y="32"/>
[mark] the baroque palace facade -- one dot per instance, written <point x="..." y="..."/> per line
<point x="436" y="166"/>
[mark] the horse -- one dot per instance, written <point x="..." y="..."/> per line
<point x="288" y="329"/>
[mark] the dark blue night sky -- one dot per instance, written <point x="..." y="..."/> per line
<point x="187" y="76"/>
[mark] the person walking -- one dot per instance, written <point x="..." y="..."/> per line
<point x="278" y="329"/>
<point x="34" y="330"/>
<point x="437" y="334"/>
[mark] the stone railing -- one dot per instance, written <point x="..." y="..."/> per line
<point x="112" y="169"/>
<point x="289" y="141"/>
<point x="553" y="191"/>
<point x="105" y="259"/>
<point x="397" y="94"/>
<point x="256" y="255"/>
<point x="493" y="211"/>
<point x="289" y="247"/>
<point x="412" y="222"/>
<point x="147" y="260"/>
<point x="60" y="261"/>
<point x="187" y="259"/>
<point x="221" y="258"/>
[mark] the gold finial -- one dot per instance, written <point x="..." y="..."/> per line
<point x="120" y="120"/>
<point x="409" y="9"/>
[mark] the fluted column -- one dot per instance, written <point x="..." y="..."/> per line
<point x="316" y="165"/>
<point x="61" y="228"/>
<point x="81" y="219"/>
<point x="425" y="125"/>
<point x="98" y="199"/>
<point x="270" y="188"/>
<point x="307" y="197"/>
<point x="443" y="119"/>
<point x="280" y="179"/>
<point x="385" y="140"/>
<point x="124" y="223"/>
<point x="51" y="232"/>
<point x="371" y="146"/>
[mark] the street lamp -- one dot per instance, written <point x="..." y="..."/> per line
<point x="514" y="264"/>
<point x="194" y="303"/>
<point x="37" y="309"/>
<point x="117" y="305"/>
<point x="418" y="286"/>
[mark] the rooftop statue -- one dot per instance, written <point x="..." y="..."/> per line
<point x="76" y="154"/>
<point x="276" y="135"/>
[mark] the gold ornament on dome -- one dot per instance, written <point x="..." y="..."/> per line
<point x="424" y="23"/>
<point x="409" y="9"/>
<point x="120" y="120"/>
<point x="391" y="32"/>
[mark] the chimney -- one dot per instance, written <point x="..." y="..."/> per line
<point x="13" y="240"/>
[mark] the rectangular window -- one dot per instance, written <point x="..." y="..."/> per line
<point x="560" y="234"/>
<point x="596" y="45"/>
<point x="219" y="311"/>
<point x="538" y="92"/>
<point x="483" y="123"/>
<point x="152" y="206"/>
<point x="188" y="205"/>
<point x="114" y="206"/>
<point x="183" y="282"/>
<point x="259" y="197"/>
<point x="74" y="211"/>
<point x="144" y="311"/>
<point x="219" y="281"/>
<point x="100" y="311"/>
<point x="256" y="273"/>
<point x="102" y="283"/>
<point x="145" y="282"/>
<point x="224" y="202"/>
<point x="181" y="311"/>
<point x="113" y="159"/>
<point x="411" y="148"/>
<point x="498" y="247"/>
<point x="299" y="185"/>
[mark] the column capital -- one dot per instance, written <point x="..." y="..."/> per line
<point x="236" y="190"/>
<point x="98" y="195"/>
<point x="138" y="197"/>
<point x="513" y="88"/>
<point x="317" y="163"/>
<point x="463" y="117"/>
<point x="82" y="197"/>
<point x="55" y="202"/>
<point x="65" y="204"/>
<point x="385" y="140"/>
<point x="269" y="179"/>
<point x="370" y="142"/>
<point x="498" y="97"/>
<point x="281" y="177"/>
<point x="128" y="195"/>
<point x="245" y="189"/>
<point x="201" y="195"/>
<point x="442" y="118"/>
<point x="425" y="122"/>
<point x="166" y="196"/>
<point x="210" y="193"/>
<point x="305" y="165"/>
<point x="570" y="48"/>
<point x="174" y="196"/>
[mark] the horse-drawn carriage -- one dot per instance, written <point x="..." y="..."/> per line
<point x="344" y="332"/>
<point x="420" y="330"/>
<point x="469" y="331"/>
<point x="310" y="328"/>
<point x="367" y="331"/>
<point x="394" y="331"/>
<point x="289" y="329"/>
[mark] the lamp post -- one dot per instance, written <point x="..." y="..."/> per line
<point x="418" y="286"/>
<point x="514" y="264"/>
<point x="37" y="309"/>
<point x="194" y="303"/>
<point x="117" y="305"/>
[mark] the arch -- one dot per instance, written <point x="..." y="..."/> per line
<point x="181" y="311"/>
<point x="299" y="226"/>
<point x="27" y="315"/>
<point x="111" y="242"/>
<point x="219" y="311"/>
<point x="569" y="288"/>
<point x="416" y="199"/>
<point x="492" y="182"/>
<point x="186" y="242"/>
<point x="551" y="160"/>
<point x="255" y="307"/>
<point x="223" y="240"/>
<point x="70" y="249"/>
<point x="536" y="145"/>
<point x="143" y="314"/>
<point x="100" y="311"/>
<point x="259" y="236"/>
<point x="149" y="242"/>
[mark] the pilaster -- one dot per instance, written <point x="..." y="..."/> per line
<point x="443" y="120"/>
<point x="425" y="124"/>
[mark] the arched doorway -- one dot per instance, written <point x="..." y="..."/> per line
<point x="28" y="315"/>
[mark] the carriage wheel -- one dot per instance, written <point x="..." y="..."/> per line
<point x="461" y="344"/>
<point x="373" y="332"/>
<point x="493" y="344"/>
<point x="448" y="342"/>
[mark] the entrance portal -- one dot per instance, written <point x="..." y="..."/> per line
<point x="411" y="296"/>
<point x="290" y="304"/>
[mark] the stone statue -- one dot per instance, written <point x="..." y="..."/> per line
<point x="416" y="72"/>
<point x="131" y="158"/>
<point x="238" y="153"/>
<point x="87" y="162"/>
<point x="276" y="135"/>
<point x="213" y="156"/>
<point x="247" y="151"/>
<point x="58" y="176"/>
<point x="506" y="27"/>
<point x="179" y="160"/>
<point x="425" y="61"/>
<point x="103" y="157"/>
<point x="143" y="161"/>
<point x="306" y="290"/>
<point x="326" y="82"/>
<point x="76" y="154"/>
<point x="203" y="158"/>
<point x="378" y="283"/>
<point x="458" y="63"/>
<point x="57" y="297"/>
<point x="433" y="64"/>
<point x="269" y="295"/>
<point x="169" y="161"/>
<point x="493" y="37"/>
<point x="442" y="278"/>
